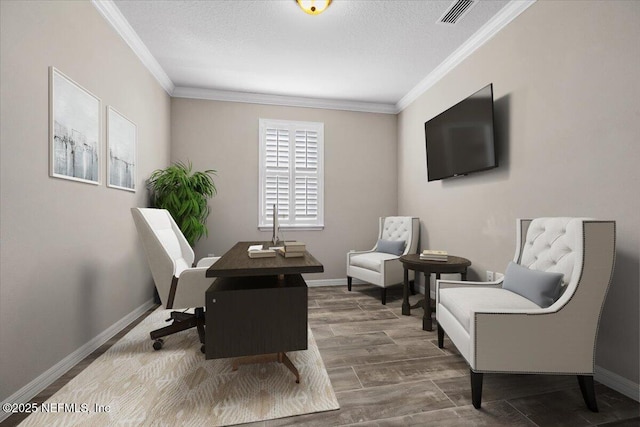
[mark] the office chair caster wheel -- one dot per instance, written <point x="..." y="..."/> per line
<point x="202" y="348"/>
<point x="157" y="344"/>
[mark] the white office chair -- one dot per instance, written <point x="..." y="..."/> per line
<point x="381" y="266"/>
<point x="180" y="283"/>
<point x="542" y="317"/>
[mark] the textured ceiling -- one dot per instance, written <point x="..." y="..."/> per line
<point x="362" y="51"/>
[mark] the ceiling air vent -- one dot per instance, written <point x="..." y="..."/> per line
<point x="456" y="11"/>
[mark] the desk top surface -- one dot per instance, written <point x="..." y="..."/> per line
<point x="236" y="263"/>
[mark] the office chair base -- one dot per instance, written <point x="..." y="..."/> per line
<point x="181" y="322"/>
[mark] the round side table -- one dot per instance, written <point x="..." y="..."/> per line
<point x="453" y="264"/>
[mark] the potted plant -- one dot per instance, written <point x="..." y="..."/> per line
<point x="184" y="194"/>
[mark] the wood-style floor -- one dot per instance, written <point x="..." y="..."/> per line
<point x="387" y="371"/>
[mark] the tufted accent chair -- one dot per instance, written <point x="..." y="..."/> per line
<point x="180" y="283"/>
<point x="497" y="330"/>
<point x="381" y="268"/>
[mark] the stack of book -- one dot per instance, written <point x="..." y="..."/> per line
<point x="258" y="251"/>
<point x="292" y="249"/>
<point x="431" y="255"/>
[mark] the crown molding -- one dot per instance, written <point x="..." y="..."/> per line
<point x="497" y="23"/>
<point x="112" y="14"/>
<point x="288" y="101"/>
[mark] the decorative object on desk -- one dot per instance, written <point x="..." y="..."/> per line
<point x="258" y="251"/>
<point x="177" y="386"/>
<point x="290" y="254"/>
<point x="184" y="194"/>
<point x="275" y="237"/>
<point x="74" y="130"/>
<point x="433" y="255"/>
<point x="121" y="148"/>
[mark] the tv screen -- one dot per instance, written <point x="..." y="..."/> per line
<point x="460" y="140"/>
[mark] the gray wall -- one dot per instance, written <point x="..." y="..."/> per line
<point x="567" y="104"/>
<point x="71" y="265"/>
<point x="360" y="174"/>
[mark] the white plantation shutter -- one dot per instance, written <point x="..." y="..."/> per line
<point x="306" y="175"/>
<point x="276" y="184"/>
<point x="291" y="156"/>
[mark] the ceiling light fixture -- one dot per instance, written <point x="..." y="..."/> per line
<point x="314" y="7"/>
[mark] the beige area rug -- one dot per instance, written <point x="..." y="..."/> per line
<point x="177" y="386"/>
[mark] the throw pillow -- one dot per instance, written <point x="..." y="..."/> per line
<point x="539" y="287"/>
<point x="393" y="247"/>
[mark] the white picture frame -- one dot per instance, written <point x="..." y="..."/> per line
<point x="74" y="130"/>
<point x="122" y="139"/>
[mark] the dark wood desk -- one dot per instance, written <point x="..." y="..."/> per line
<point x="454" y="264"/>
<point x="236" y="263"/>
<point x="257" y="306"/>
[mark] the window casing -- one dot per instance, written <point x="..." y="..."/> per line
<point x="291" y="174"/>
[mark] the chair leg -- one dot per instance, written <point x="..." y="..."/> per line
<point x="588" y="391"/>
<point x="384" y="296"/>
<point x="476" y="388"/>
<point x="440" y="336"/>
<point x="349" y="280"/>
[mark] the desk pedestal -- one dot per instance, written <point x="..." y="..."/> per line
<point x="247" y="316"/>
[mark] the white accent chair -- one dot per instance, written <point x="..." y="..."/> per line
<point x="180" y="283"/>
<point x="497" y="330"/>
<point x="381" y="268"/>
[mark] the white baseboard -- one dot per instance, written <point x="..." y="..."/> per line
<point x="29" y="391"/>
<point x="617" y="383"/>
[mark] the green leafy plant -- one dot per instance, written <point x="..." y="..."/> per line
<point x="184" y="194"/>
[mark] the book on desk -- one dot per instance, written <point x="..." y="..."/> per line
<point x="294" y="246"/>
<point x="289" y="249"/>
<point x="292" y="249"/>
<point x="290" y="254"/>
<point x="259" y="251"/>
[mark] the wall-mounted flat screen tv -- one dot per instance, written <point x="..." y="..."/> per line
<point x="460" y="140"/>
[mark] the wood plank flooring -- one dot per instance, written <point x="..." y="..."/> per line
<point x="387" y="371"/>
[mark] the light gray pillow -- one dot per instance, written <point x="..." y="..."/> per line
<point x="539" y="287"/>
<point x="393" y="247"/>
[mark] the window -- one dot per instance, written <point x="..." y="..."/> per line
<point x="291" y="174"/>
